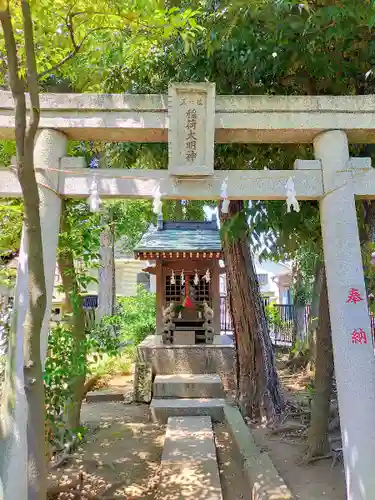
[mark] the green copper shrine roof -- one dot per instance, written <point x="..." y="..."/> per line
<point x="181" y="236"/>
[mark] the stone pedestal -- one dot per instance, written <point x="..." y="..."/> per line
<point x="351" y="333"/>
<point x="218" y="358"/>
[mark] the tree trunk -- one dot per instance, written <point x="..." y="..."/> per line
<point x="74" y="307"/>
<point x="235" y="333"/>
<point x="299" y="323"/>
<point x="369" y="220"/>
<point x="106" y="272"/>
<point x="299" y="306"/>
<point x="314" y="309"/>
<point x="367" y="243"/>
<point x="318" y="444"/>
<point x="113" y="249"/>
<point x="33" y="375"/>
<point x="258" y="383"/>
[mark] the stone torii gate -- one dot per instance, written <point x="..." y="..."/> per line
<point x="191" y="119"/>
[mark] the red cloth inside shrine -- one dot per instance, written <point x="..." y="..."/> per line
<point x="187" y="301"/>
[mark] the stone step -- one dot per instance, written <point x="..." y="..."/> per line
<point x="162" y="409"/>
<point x="186" y="385"/>
<point x="102" y="395"/>
<point x="188" y="465"/>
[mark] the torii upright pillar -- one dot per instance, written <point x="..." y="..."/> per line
<point x="351" y="333"/>
<point x="50" y="147"/>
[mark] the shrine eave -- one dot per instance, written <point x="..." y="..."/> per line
<point x="181" y="237"/>
<point x="166" y="255"/>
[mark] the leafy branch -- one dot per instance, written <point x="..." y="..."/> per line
<point x="130" y="19"/>
<point x="76" y="47"/>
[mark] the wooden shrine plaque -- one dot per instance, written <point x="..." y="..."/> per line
<point x="191" y="108"/>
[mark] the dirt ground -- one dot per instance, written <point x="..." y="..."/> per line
<point x="121" y="456"/>
<point x="307" y="482"/>
<point x="121" y="383"/>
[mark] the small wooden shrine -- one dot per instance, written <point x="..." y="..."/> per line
<point x="185" y="258"/>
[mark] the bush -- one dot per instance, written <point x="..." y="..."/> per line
<point x="61" y="367"/>
<point x="273" y="317"/>
<point x="63" y="364"/>
<point x="135" y="317"/>
<point x="108" y="366"/>
<point x="5" y="316"/>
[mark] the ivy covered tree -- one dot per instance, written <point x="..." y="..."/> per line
<point x="77" y="254"/>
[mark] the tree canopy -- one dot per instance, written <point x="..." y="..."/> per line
<point x="66" y="29"/>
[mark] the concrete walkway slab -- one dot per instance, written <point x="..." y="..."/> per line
<point x="187" y="439"/>
<point x="188" y="467"/>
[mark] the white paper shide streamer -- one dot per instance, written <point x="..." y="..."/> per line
<point x="224" y="196"/>
<point x="173" y="278"/>
<point x="207" y="276"/>
<point x="196" y="279"/>
<point x="94" y="200"/>
<point x="157" y="203"/>
<point x="291" y="199"/>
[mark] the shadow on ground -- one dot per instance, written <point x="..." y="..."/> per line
<point x="121" y="455"/>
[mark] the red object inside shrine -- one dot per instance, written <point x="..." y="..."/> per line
<point x="187" y="301"/>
